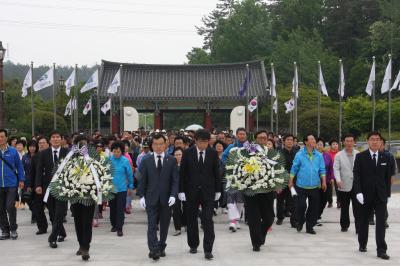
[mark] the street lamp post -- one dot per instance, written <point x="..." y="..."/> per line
<point x="2" y="53"/>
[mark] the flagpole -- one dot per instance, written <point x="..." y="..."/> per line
<point x="257" y="113"/>
<point x="277" y="113"/>
<point x="340" y="100"/>
<point x="272" y="100"/>
<point x="54" y="97"/>
<point x="295" y="100"/>
<point x="71" y="115"/>
<point x="373" y="99"/>
<point x="319" y="101"/>
<point x="98" y="97"/>
<point x="390" y="104"/>
<point x="121" y="109"/>
<point x="32" y="103"/>
<point x="76" y="99"/>
<point x="111" y="109"/>
<point x="247" y="100"/>
<point x="91" y="114"/>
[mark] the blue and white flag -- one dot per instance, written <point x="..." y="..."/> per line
<point x="45" y="81"/>
<point x="70" y="82"/>
<point x="27" y="83"/>
<point x="115" y="84"/>
<point x="246" y="83"/>
<point x="371" y="80"/>
<point x="92" y="82"/>
<point x="322" y="85"/>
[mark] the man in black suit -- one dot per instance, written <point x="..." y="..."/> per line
<point x="158" y="190"/>
<point x="372" y="182"/>
<point x="200" y="185"/>
<point x="44" y="173"/>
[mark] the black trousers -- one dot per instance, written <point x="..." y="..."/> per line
<point x="117" y="208"/>
<point x="178" y="214"/>
<point x="83" y="217"/>
<point x="260" y="216"/>
<point x="192" y="212"/>
<point x="307" y="214"/>
<point x="345" y="198"/>
<point x="284" y="204"/>
<point x="38" y="210"/>
<point x="57" y="211"/>
<point x="8" y="212"/>
<point x="380" y="230"/>
<point x="325" y="197"/>
<point x="157" y="214"/>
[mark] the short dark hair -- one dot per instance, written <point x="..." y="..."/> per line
<point x="288" y="136"/>
<point x="43" y="137"/>
<point x="348" y="135"/>
<point x="33" y="143"/>
<point x="5" y="131"/>
<point x="306" y="137"/>
<point x="202" y="134"/>
<point x="241" y="129"/>
<point x="272" y="141"/>
<point x="55" y="132"/>
<point x="219" y="142"/>
<point x="158" y="136"/>
<point x="179" y="137"/>
<point x="21" y="141"/>
<point x="374" y="133"/>
<point x="322" y="140"/>
<point x="177" y="149"/>
<point x="333" y="141"/>
<point x="260" y="132"/>
<point x="118" y="145"/>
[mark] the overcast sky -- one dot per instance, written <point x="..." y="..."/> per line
<point x="85" y="31"/>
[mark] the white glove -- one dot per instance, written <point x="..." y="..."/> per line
<point x="182" y="196"/>
<point x="143" y="202"/>
<point x="360" y="198"/>
<point x="217" y="196"/>
<point x="171" y="201"/>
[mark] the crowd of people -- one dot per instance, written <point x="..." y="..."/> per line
<point x="181" y="175"/>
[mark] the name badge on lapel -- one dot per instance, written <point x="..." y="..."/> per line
<point x="383" y="163"/>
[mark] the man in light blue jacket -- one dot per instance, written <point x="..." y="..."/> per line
<point x="11" y="177"/>
<point x="309" y="169"/>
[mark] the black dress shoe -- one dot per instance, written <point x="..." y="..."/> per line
<point x="256" y="249"/>
<point x="344" y="229"/>
<point x="193" y="250"/>
<point x="383" y="256"/>
<point x="53" y="244"/>
<point x="299" y="227"/>
<point x="85" y="255"/>
<point x="162" y="254"/>
<point x="41" y="232"/>
<point x="311" y="231"/>
<point x="61" y="238"/>
<point x="79" y="252"/>
<point x="113" y="229"/>
<point x="156" y="255"/>
<point x="362" y="249"/>
<point x="120" y="233"/>
<point x="279" y="222"/>
<point x="386" y="225"/>
<point x="208" y="255"/>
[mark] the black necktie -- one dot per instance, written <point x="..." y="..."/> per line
<point x="201" y="159"/>
<point x="55" y="157"/>
<point x="374" y="158"/>
<point x="159" y="164"/>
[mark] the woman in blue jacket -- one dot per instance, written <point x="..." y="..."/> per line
<point x="123" y="183"/>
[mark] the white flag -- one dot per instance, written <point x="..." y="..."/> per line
<point x="45" y="81"/>
<point x="88" y="107"/>
<point x="116" y="83"/>
<point x="386" y="79"/>
<point x="252" y="105"/>
<point x="27" y="83"/>
<point x="70" y="82"/>
<point x="68" y="108"/>
<point x="295" y="83"/>
<point x="273" y="83"/>
<point x="106" y="107"/>
<point x="371" y="80"/>
<point x="275" y="106"/>
<point x="92" y="82"/>
<point x="396" y="82"/>
<point x="289" y="105"/>
<point x="341" y="82"/>
<point x="322" y="85"/>
<point x="74" y="104"/>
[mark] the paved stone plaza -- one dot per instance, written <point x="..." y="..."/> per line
<point x="284" y="246"/>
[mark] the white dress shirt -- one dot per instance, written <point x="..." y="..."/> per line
<point x="156" y="157"/>
<point x="198" y="154"/>
<point x="53" y="152"/>
<point x="376" y="156"/>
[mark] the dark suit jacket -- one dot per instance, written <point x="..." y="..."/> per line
<point x="373" y="180"/>
<point x="45" y="167"/>
<point x="194" y="178"/>
<point x="158" y="188"/>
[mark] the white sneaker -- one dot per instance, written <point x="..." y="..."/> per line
<point x="232" y="227"/>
